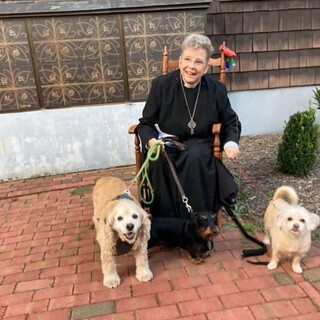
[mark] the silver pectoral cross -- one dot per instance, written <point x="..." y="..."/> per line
<point x="192" y="125"/>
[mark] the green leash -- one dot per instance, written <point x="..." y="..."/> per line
<point x="152" y="155"/>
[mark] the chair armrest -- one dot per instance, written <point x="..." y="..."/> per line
<point x="132" y="129"/>
<point x="137" y="148"/>
<point x="217" y="149"/>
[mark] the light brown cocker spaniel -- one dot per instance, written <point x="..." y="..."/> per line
<point x="122" y="226"/>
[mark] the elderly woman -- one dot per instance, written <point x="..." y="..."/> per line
<point x="185" y="104"/>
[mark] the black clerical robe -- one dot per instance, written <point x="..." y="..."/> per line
<point x="205" y="180"/>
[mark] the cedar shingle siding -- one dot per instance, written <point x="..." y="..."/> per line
<point x="277" y="42"/>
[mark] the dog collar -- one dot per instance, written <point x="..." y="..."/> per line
<point x="122" y="247"/>
<point x="124" y="195"/>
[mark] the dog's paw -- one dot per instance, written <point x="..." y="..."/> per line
<point x="205" y="255"/>
<point x="297" y="268"/>
<point x="144" y="276"/>
<point x="272" y="265"/>
<point x="111" y="281"/>
<point x="197" y="260"/>
<point x="266" y="240"/>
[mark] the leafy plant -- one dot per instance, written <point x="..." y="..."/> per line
<point x="239" y="209"/>
<point x="297" y="150"/>
<point x="316" y="97"/>
<point x="270" y="193"/>
<point x="248" y="226"/>
<point x="316" y="234"/>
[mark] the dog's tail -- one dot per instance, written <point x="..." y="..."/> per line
<point x="286" y="193"/>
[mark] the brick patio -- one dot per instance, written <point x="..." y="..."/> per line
<point x="50" y="266"/>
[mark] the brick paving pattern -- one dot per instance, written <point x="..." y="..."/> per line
<point x="50" y="266"/>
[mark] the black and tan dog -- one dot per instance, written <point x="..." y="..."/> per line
<point x="193" y="235"/>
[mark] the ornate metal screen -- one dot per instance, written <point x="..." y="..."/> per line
<point x="17" y="77"/>
<point x="55" y="62"/>
<point x="78" y="60"/>
<point x="145" y="37"/>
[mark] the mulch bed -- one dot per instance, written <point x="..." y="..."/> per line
<point x="258" y="177"/>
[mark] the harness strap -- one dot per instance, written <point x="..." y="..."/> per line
<point x="122" y="248"/>
<point x="123" y="196"/>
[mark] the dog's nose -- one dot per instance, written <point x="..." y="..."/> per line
<point x="130" y="226"/>
<point x="296" y="226"/>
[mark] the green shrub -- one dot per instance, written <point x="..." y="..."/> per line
<point x="297" y="150"/>
<point x="316" y="97"/>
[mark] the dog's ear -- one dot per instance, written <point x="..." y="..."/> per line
<point x="144" y="231"/>
<point x="110" y="237"/>
<point x="194" y="218"/>
<point x="108" y="221"/>
<point x="315" y="221"/>
<point x="109" y="213"/>
<point x="146" y="225"/>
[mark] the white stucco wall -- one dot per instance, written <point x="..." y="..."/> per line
<point x="50" y="142"/>
<point x="265" y="111"/>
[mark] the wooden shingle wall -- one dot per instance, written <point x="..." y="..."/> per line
<point x="277" y="42"/>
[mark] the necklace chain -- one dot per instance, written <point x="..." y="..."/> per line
<point x="191" y="124"/>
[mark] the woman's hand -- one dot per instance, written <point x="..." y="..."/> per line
<point x="231" y="152"/>
<point x="154" y="141"/>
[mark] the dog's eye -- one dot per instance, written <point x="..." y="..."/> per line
<point x="135" y="216"/>
<point x="289" y="219"/>
<point x="302" y="220"/>
<point x="120" y="218"/>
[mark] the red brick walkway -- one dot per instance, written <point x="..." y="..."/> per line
<point x="50" y="267"/>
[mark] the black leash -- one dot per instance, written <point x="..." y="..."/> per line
<point x="249" y="252"/>
<point x="176" y="179"/>
<point x="245" y="253"/>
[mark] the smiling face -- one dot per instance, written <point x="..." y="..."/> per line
<point x="193" y="64"/>
<point x="127" y="221"/>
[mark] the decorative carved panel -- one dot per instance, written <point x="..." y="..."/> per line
<point x="146" y="35"/>
<point x="79" y="60"/>
<point x="65" y="61"/>
<point x="17" y="82"/>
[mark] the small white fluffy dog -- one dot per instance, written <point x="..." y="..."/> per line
<point x="122" y="226"/>
<point x="288" y="228"/>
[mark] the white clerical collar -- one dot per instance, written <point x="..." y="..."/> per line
<point x="190" y="86"/>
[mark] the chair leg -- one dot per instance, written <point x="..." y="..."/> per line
<point x="219" y="220"/>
